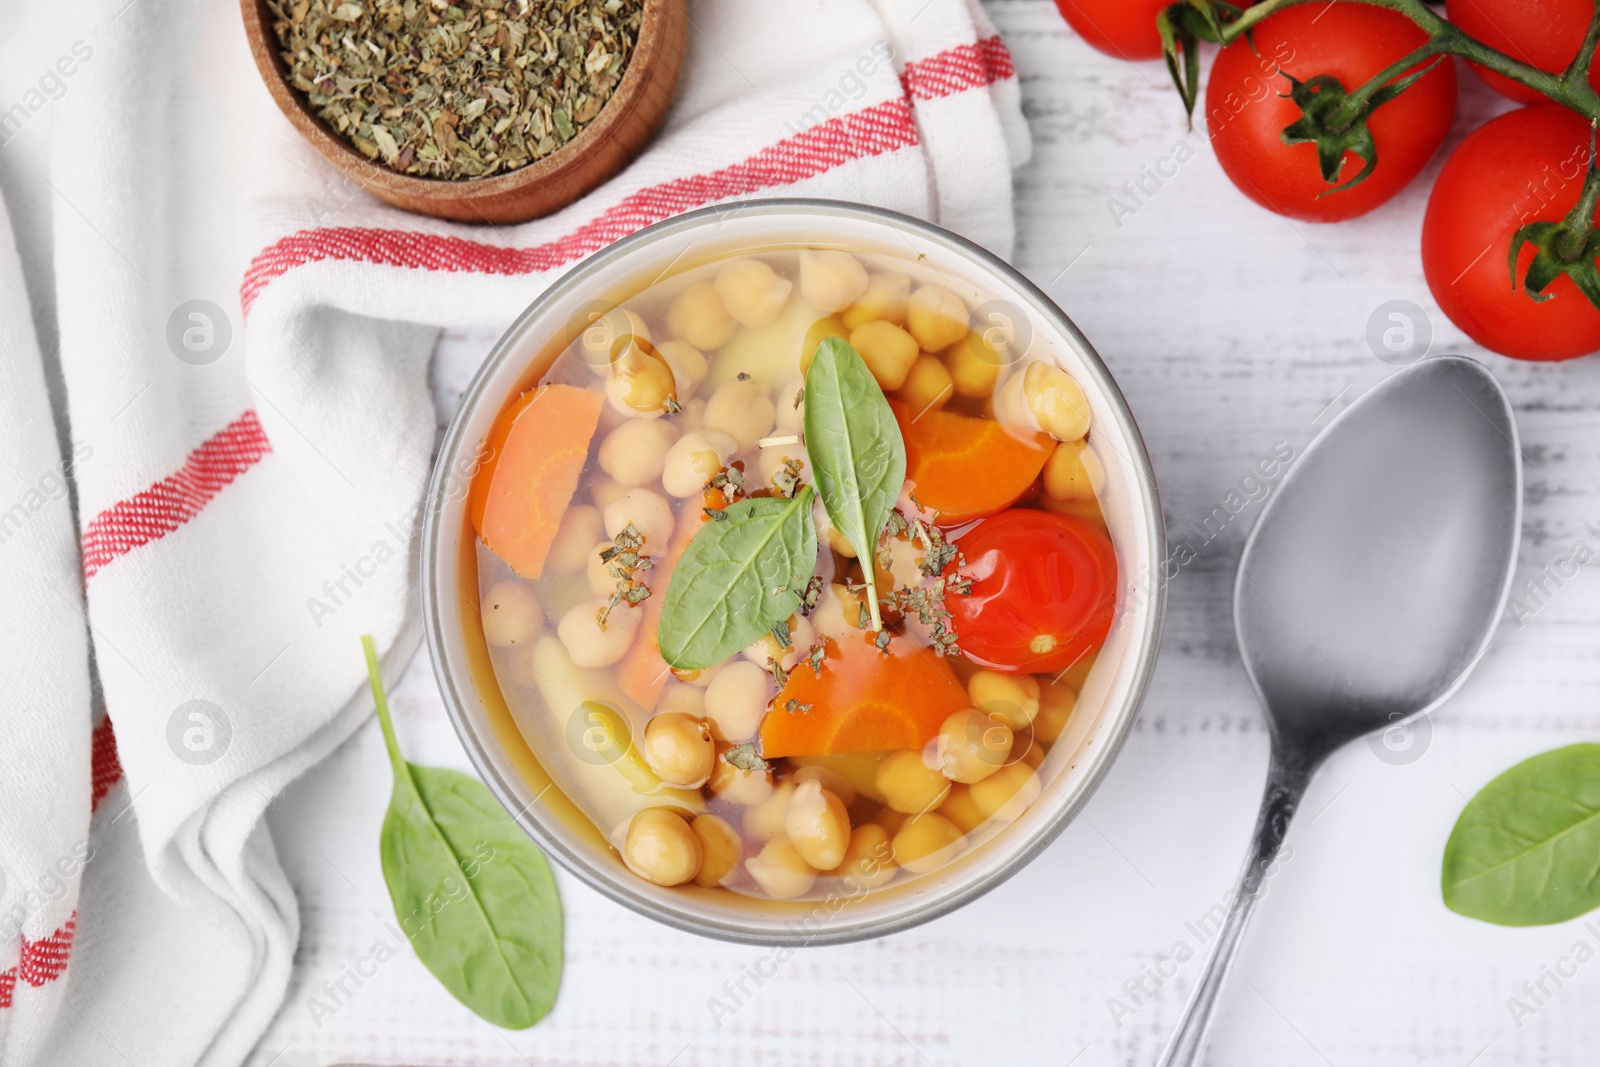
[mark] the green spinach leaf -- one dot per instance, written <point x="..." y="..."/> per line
<point x="474" y="896"/>
<point x="1526" y="851"/>
<point x="737" y="578"/>
<point x="857" y="454"/>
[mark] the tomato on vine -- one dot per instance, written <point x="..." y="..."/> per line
<point x="1123" y="28"/>
<point x="1291" y="79"/>
<point x="1523" y="167"/>
<point x="1542" y="33"/>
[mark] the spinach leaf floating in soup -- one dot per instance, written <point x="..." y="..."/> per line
<point x="856" y="448"/>
<point x="742" y="575"/>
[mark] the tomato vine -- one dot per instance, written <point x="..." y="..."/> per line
<point x="1334" y="116"/>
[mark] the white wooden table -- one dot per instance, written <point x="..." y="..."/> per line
<point x="1233" y="332"/>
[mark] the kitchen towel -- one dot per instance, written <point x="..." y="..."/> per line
<point x="243" y="341"/>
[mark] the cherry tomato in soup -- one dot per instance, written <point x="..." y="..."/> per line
<point x="1542" y="33"/>
<point x="1044" y="590"/>
<point x="1247" y="108"/>
<point x="1522" y="167"/>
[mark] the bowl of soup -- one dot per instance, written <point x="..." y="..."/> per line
<point x="792" y="571"/>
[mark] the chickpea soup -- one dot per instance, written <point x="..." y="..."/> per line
<point x="791" y="566"/>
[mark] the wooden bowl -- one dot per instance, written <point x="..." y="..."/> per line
<point x="600" y="150"/>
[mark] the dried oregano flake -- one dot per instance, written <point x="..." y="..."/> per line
<point x="461" y="89"/>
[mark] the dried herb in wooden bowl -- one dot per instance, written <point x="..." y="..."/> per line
<point x="457" y="90"/>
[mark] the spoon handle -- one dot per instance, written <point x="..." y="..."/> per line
<point x="1286" y="784"/>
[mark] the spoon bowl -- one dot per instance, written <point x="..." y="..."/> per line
<point x="1373" y="581"/>
<point x="1368" y="590"/>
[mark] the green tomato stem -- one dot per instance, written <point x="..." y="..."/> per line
<point x="390" y="742"/>
<point x="1357" y="102"/>
<point x="1570" y="89"/>
<point x="1579" y="222"/>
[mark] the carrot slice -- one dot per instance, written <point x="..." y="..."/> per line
<point x="967" y="468"/>
<point x="531" y="473"/>
<point x="642" y="672"/>
<point x="863" y="701"/>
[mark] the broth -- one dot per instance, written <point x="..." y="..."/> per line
<point x="686" y="399"/>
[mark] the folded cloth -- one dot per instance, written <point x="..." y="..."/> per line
<point x="254" y="452"/>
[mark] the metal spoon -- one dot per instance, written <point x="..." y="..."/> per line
<point x="1366" y="593"/>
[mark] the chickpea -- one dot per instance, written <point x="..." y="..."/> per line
<point x="819" y="332"/>
<point x="679" y="749"/>
<point x="694" y="459"/>
<point x="752" y="291"/>
<point x="868" y="859"/>
<point x="687" y="364"/>
<point x="890" y="820"/>
<point x="1013" y="697"/>
<point x="606" y="336"/>
<point x="837" y="614"/>
<point x="744" y="788"/>
<point x="936" y="317"/>
<point x="676" y="696"/>
<point x="790" y="407"/>
<point x="660" y="847"/>
<point x="720" y="848"/>
<point x="698" y="317"/>
<point x="972" y="745"/>
<point x="590" y="646"/>
<point x="1044" y="397"/>
<point x="700" y="679"/>
<point x="603" y="490"/>
<point x="817" y="825"/>
<point x="640" y="383"/>
<point x="634" y="453"/>
<point x="511" y="615"/>
<point x="647" y="512"/>
<point x="580" y="528"/>
<point x="829" y="534"/>
<point x="766" y="647"/>
<point x="974" y="366"/>
<point x="1032" y="751"/>
<point x="780" y="870"/>
<point x="905" y="571"/>
<point x="597" y="572"/>
<point x="927" y="843"/>
<point x="736" y="699"/>
<point x="829" y="779"/>
<point x="1073" y="472"/>
<point x="885" y="298"/>
<point x="1056" y="704"/>
<point x="1006" y="794"/>
<point x="742" y="410"/>
<point x="959" y="808"/>
<point x="928" y="385"/>
<point x="909" y="785"/>
<point x="831" y="280"/>
<point x="764" y="821"/>
<point x="887" y="350"/>
<point x="775" y="458"/>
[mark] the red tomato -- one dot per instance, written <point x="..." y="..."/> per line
<point x="1044" y="590"/>
<point x="1542" y="33"/>
<point x="1247" y="108"/>
<point x="1522" y="167"/>
<point x="1124" y="28"/>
